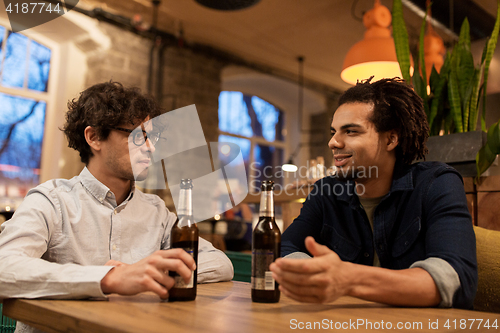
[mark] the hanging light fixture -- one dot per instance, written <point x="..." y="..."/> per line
<point x="434" y="50"/>
<point x="290" y="166"/>
<point x="375" y="55"/>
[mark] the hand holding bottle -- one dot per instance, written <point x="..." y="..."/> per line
<point x="149" y="274"/>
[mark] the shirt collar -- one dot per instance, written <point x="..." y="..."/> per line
<point x="98" y="190"/>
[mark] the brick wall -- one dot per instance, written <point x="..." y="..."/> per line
<point x="126" y="61"/>
<point x="190" y="78"/>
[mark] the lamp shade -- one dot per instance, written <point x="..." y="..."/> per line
<point x="375" y="55"/>
<point x="289" y="166"/>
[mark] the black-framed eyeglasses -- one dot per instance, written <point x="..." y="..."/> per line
<point x="140" y="136"/>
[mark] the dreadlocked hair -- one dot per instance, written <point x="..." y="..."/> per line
<point x="396" y="106"/>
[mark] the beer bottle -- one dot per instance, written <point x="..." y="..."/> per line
<point x="266" y="247"/>
<point x="184" y="235"/>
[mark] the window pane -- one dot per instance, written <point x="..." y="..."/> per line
<point x="244" y="146"/>
<point x="250" y="116"/>
<point x="39" y="66"/>
<point x="233" y="114"/>
<point x="21" y="133"/>
<point x="267" y="165"/>
<point x="2" y="36"/>
<point x="270" y="118"/>
<point x="15" y="61"/>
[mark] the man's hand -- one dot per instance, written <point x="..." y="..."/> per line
<point x="320" y="279"/>
<point x="149" y="274"/>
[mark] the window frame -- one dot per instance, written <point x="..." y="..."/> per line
<point x="48" y="97"/>
<point x="255" y="140"/>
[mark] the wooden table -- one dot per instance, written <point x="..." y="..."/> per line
<point x="227" y="307"/>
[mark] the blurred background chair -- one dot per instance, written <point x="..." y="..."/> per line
<point x="488" y="263"/>
<point x="7" y="325"/>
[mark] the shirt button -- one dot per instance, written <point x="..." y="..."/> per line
<point x="366" y="254"/>
<point x="114" y="247"/>
<point x="115" y="212"/>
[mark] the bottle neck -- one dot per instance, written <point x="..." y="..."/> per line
<point x="266" y="204"/>
<point x="185" y="203"/>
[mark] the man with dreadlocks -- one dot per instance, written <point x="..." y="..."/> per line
<point x="382" y="229"/>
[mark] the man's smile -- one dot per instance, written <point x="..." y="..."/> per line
<point x="341" y="159"/>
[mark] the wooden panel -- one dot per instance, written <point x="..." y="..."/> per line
<point x="488" y="184"/>
<point x="472" y="205"/>
<point x="488" y="212"/>
<point x="469" y="185"/>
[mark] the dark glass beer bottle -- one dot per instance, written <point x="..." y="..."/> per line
<point x="266" y="248"/>
<point x="184" y="235"/>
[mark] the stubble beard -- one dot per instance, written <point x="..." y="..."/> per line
<point x="347" y="173"/>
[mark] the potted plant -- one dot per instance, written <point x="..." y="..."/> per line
<point x="451" y="96"/>
<point x="490" y="150"/>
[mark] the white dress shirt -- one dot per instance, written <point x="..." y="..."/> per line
<point x="64" y="231"/>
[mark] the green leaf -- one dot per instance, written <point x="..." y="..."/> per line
<point x="487" y="154"/>
<point x="454" y="99"/>
<point x="437" y="88"/>
<point x="420" y="87"/>
<point x="448" y="122"/>
<point x="494" y="138"/>
<point x="487" y="56"/>
<point x="401" y="43"/>
<point x="484" y="158"/>
<point x="474" y="98"/>
<point x="464" y="63"/>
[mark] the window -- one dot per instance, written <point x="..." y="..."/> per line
<point x="24" y="76"/>
<point x="258" y="128"/>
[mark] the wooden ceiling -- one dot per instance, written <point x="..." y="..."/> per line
<point x="273" y="32"/>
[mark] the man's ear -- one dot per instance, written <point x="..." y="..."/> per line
<point x="392" y="140"/>
<point x="92" y="138"/>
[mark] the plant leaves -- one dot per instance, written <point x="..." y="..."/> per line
<point x="454" y="99"/>
<point x="474" y="98"/>
<point x="487" y="56"/>
<point x="464" y="63"/>
<point x="494" y="138"/>
<point x="437" y="88"/>
<point x="401" y="43"/>
<point x="484" y="158"/>
<point x="487" y="154"/>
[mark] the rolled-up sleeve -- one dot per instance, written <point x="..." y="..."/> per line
<point x="450" y="235"/>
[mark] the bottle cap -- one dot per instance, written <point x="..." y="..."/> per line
<point x="186" y="184"/>
<point x="267" y="185"/>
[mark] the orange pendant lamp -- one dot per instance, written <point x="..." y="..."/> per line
<point x="434" y="49"/>
<point x="375" y="55"/>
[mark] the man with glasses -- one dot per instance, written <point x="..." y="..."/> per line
<point x="96" y="233"/>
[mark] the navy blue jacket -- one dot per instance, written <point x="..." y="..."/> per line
<point x="424" y="215"/>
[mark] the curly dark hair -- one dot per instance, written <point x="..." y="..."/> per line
<point x="396" y="106"/>
<point x="102" y="106"/>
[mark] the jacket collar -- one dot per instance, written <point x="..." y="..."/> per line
<point x="402" y="180"/>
